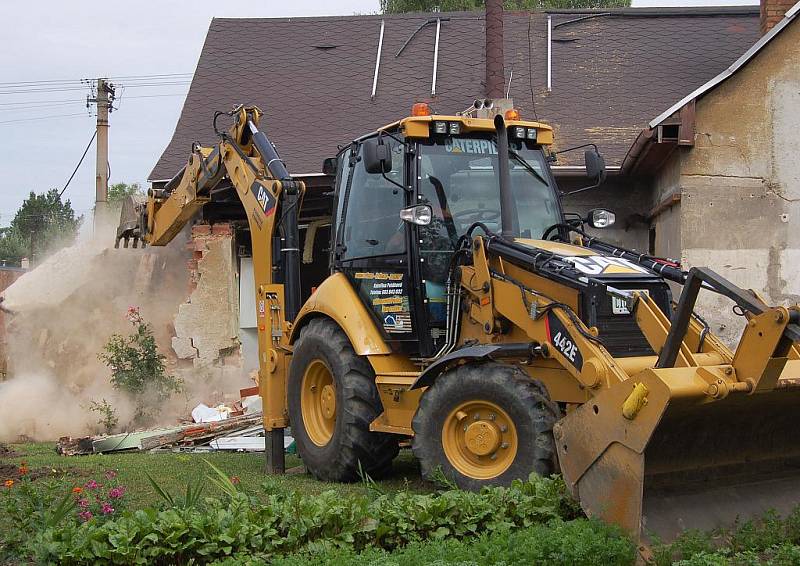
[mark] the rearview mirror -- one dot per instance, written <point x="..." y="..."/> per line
<point x="377" y="156"/>
<point x="595" y="165"/>
<point x="329" y="166"/>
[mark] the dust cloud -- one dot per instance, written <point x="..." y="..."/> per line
<point x="63" y="312"/>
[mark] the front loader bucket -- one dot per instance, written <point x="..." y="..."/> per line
<point x="683" y="461"/>
<point x="130" y="221"/>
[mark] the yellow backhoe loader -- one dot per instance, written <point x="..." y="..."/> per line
<point x="440" y="294"/>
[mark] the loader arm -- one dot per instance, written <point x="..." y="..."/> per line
<point x="271" y="200"/>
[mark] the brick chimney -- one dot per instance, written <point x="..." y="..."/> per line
<point x="772" y="11"/>
<point x="495" y="71"/>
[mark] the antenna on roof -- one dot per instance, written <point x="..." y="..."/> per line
<point x="436" y="56"/>
<point x="377" y="62"/>
<point x="510" y="78"/>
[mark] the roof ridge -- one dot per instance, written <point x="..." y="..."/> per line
<point x="479" y="15"/>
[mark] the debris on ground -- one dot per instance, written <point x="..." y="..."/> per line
<point x="237" y="426"/>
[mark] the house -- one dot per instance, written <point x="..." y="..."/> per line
<point x="724" y="175"/>
<point x="596" y="76"/>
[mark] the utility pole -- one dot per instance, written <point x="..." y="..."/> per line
<point x="104" y="98"/>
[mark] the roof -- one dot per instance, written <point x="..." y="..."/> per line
<point x="730" y="71"/>
<point x="313" y="77"/>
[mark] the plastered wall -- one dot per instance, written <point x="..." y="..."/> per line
<point x="740" y="183"/>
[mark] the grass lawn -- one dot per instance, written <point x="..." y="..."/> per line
<point x="173" y="471"/>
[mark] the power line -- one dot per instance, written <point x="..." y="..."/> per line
<point x="66" y="81"/>
<point x="43" y="118"/>
<point x="74" y="88"/>
<point x="85" y="151"/>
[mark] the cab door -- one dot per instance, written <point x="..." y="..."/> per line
<point x="372" y="243"/>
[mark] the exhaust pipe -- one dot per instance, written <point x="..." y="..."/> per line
<point x="504" y="171"/>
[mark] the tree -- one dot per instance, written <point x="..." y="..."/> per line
<point x="118" y="192"/>
<point x="41" y="225"/>
<point x="401" y="6"/>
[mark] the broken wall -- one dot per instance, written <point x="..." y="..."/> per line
<point x="207" y="323"/>
<point x="740" y="182"/>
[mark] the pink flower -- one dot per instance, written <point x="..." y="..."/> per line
<point x="83" y="503"/>
<point x="85" y="515"/>
<point x="91" y="484"/>
<point x="111" y="474"/>
<point x="106" y="509"/>
<point x="116" y="492"/>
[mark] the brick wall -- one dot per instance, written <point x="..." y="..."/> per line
<point x="772" y="11"/>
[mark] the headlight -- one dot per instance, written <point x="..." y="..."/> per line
<point x="601" y="218"/>
<point x="421" y="214"/>
<point x="519" y="132"/>
<point x="454" y="128"/>
<point x="440" y="127"/>
<point x="532" y="134"/>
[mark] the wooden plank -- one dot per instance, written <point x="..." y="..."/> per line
<point x="198" y="431"/>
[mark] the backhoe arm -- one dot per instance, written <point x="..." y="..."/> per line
<point x="248" y="159"/>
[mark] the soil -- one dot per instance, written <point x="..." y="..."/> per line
<point x="6" y="452"/>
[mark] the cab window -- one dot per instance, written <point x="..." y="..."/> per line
<point x="372" y="224"/>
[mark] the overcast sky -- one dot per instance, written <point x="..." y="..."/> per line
<point x="44" y="132"/>
<point x="45" y="126"/>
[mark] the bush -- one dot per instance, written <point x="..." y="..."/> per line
<point x="769" y="539"/>
<point x="578" y="542"/>
<point x="138" y="369"/>
<point x="296" y="522"/>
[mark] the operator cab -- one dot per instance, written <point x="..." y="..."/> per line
<point x="407" y="193"/>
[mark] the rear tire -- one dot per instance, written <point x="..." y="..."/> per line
<point x="332" y="399"/>
<point x="485" y="424"/>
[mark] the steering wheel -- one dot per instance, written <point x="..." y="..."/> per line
<point x="472" y="215"/>
<point x="551" y="229"/>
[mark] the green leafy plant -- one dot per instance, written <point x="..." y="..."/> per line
<point x="137" y="367"/>
<point x="286" y="522"/>
<point x="107" y="416"/>
<point x="191" y="498"/>
<point x="27" y="507"/>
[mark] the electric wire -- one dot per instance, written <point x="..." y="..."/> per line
<point x="85" y="151"/>
<point x="84" y="114"/>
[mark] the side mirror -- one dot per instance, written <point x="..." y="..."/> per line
<point x="329" y="166"/>
<point x="595" y="165"/>
<point x="377" y="156"/>
<point x="600" y="218"/>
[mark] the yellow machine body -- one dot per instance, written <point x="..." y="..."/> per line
<point x="652" y="446"/>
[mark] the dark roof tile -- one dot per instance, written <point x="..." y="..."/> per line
<point x="611" y="74"/>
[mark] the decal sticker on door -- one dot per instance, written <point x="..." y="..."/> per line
<point x="562" y="340"/>
<point x="389" y="299"/>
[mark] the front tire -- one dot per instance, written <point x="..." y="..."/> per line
<point x="332" y="399"/>
<point x="485" y="424"/>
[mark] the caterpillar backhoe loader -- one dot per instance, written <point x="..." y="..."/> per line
<point x="440" y="294"/>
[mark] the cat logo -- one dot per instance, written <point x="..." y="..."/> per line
<point x="601" y="265"/>
<point x="264" y="198"/>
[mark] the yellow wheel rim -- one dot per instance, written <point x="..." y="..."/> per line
<point x="479" y="439"/>
<point x="318" y="402"/>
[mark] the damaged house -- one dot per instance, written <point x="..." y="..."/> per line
<point x="689" y="107"/>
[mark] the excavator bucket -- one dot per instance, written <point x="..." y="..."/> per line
<point x="681" y="463"/>
<point x="693" y="447"/>
<point x="131" y="218"/>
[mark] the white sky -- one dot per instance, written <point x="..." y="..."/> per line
<point x="45" y="132"/>
<point x="72" y="39"/>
